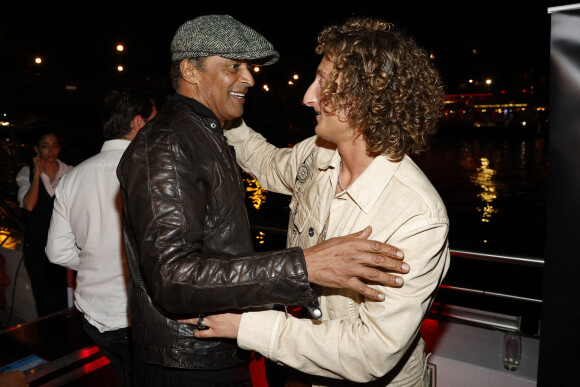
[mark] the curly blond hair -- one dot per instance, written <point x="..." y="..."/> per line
<point x="384" y="83"/>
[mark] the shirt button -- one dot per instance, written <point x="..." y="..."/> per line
<point x="311" y="231"/>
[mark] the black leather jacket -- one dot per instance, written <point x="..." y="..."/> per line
<point x="188" y="241"/>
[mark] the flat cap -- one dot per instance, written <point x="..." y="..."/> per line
<point x="221" y="35"/>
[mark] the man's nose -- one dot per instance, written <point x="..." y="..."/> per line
<point x="309" y="97"/>
<point x="247" y="77"/>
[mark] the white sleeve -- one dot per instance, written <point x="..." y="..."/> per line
<point x="61" y="248"/>
<point x="23" y="181"/>
<point x="275" y="168"/>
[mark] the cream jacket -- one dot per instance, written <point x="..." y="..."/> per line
<point x="357" y="340"/>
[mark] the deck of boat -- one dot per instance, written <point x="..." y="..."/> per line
<point x="71" y="358"/>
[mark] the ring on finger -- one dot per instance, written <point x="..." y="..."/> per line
<point x="200" y="323"/>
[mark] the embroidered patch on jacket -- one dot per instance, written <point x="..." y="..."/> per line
<point x="303" y="172"/>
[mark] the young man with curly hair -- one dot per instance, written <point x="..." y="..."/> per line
<point x="377" y="98"/>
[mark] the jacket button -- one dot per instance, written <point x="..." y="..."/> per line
<point x="311" y="231"/>
<point x="213" y="125"/>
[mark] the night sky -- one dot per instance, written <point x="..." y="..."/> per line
<point x="509" y="36"/>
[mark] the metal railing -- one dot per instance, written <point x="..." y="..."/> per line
<point x="492" y="294"/>
<point x="518" y="260"/>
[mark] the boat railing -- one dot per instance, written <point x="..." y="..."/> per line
<point x="518" y="260"/>
<point x="515" y="260"/>
<point x="486" y="318"/>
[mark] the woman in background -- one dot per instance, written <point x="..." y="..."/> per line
<point x="36" y="185"/>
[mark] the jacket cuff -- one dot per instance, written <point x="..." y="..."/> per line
<point x="258" y="331"/>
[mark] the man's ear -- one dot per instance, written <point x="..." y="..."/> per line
<point x="137" y="123"/>
<point x="188" y="71"/>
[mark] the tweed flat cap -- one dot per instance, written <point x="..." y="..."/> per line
<point x="221" y="35"/>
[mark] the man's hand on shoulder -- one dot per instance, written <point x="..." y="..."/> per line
<point x="353" y="261"/>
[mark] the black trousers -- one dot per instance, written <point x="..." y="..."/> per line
<point x="116" y="346"/>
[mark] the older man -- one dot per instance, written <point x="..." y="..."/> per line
<point x="186" y="229"/>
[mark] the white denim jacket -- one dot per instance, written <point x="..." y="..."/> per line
<point x="358" y="339"/>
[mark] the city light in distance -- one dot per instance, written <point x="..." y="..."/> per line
<point x="120" y="68"/>
<point x="38" y="60"/>
<point x="266" y="87"/>
<point x="294" y="77"/>
<point x="3" y="122"/>
<point x="120" y="48"/>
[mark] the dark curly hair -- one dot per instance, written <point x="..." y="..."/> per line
<point x="384" y="83"/>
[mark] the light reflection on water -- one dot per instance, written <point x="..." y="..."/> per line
<point x="257" y="193"/>
<point x="257" y="197"/>
<point x="495" y="191"/>
<point x="484" y="178"/>
<point x="260" y="237"/>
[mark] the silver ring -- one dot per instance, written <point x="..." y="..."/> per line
<point x="200" y="323"/>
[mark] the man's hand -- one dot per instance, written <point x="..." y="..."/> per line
<point x="345" y="262"/>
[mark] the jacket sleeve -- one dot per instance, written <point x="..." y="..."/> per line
<point x="367" y="347"/>
<point x="165" y="199"/>
<point x="275" y="168"/>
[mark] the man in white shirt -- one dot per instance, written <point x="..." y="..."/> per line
<point x="85" y="232"/>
